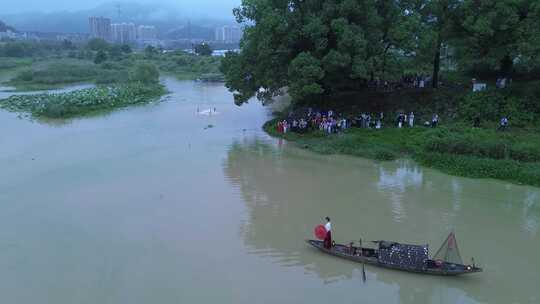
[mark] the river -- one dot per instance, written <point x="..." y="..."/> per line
<point x="159" y="204"/>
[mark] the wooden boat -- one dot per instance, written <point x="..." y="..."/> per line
<point x="412" y="258"/>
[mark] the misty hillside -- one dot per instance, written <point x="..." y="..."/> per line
<point x="4" y="27"/>
<point x="189" y="31"/>
<point x="164" y="17"/>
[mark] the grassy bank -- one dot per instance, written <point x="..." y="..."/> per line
<point x="7" y="63"/>
<point x="83" y="102"/>
<point x="460" y="150"/>
<point x="186" y="66"/>
<point x="45" y="74"/>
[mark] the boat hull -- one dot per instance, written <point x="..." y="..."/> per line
<point x="369" y="256"/>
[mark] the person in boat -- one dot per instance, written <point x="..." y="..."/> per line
<point x="328" y="238"/>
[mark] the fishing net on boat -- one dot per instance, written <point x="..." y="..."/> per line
<point x="403" y="255"/>
<point x="449" y="251"/>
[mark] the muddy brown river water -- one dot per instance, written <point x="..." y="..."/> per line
<point x="159" y="204"/>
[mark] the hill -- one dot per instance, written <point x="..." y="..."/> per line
<point x="4" y="27"/>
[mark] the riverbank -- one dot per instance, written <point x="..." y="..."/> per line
<point x="457" y="149"/>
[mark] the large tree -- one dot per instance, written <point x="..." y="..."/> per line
<point x="439" y="19"/>
<point x="497" y="32"/>
<point x="315" y="47"/>
<point x="203" y="49"/>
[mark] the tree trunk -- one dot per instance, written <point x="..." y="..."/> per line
<point x="437" y="62"/>
<point x="384" y="61"/>
<point x="507" y="65"/>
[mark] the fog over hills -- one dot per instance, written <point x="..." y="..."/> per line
<point x="72" y="16"/>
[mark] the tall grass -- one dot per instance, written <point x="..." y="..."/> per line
<point x="11" y="63"/>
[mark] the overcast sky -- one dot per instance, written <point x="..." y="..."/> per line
<point x="210" y="8"/>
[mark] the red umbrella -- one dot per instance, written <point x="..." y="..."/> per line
<point x="320" y="232"/>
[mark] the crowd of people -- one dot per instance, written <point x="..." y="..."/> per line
<point x="330" y="122"/>
<point x="406" y="82"/>
<point x="326" y="121"/>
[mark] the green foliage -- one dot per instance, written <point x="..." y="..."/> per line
<point x="101" y="56"/>
<point x="509" y="170"/>
<point x="68" y="45"/>
<point x="495" y="33"/>
<point x="17" y="49"/>
<point x="307" y="71"/>
<point x="188" y="66"/>
<point x="126" y="49"/>
<point x="25" y="75"/>
<point x="115" y="52"/>
<point x="352" y="41"/>
<point x="492" y="105"/>
<point x="150" y="52"/>
<point x="81" y="102"/>
<point x="145" y="73"/>
<point x="340" y="42"/>
<point x="97" y="44"/>
<point x="57" y="73"/>
<point x="10" y="63"/>
<point x="203" y="49"/>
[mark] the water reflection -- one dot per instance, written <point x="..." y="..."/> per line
<point x="288" y="190"/>
<point x="396" y="183"/>
<point x="531" y="211"/>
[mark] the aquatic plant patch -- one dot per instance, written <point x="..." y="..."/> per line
<point x="78" y="103"/>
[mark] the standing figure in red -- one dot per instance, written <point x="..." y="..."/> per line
<point x="328" y="238"/>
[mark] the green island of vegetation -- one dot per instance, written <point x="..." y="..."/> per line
<point x="82" y="102"/>
<point x="398" y="57"/>
<point x="51" y="65"/>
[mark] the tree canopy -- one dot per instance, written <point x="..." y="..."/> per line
<point x="203" y="49"/>
<point x="100" y="57"/>
<point x="314" y="48"/>
<point x="97" y="44"/>
<point x="145" y="73"/>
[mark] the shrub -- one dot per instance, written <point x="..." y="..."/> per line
<point x="492" y="105"/>
<point x="485" y="104"/>
<point x="145" y="73"/>
<point x="101" y="56"/>
<point x="481" y="167"/>
<point x="25" y="75"/>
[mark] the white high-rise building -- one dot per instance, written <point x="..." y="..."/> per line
<point x="123" y="32"/>
<point x="229" y="34"/>
<point x="100" y="27"/>
<point x="146" y="32"/>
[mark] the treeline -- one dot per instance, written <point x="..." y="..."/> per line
<point x="46" y="65"/>
<point x="21" y="49"/>
<point x="65" y="48"/>
<point x="316" y="48"/>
